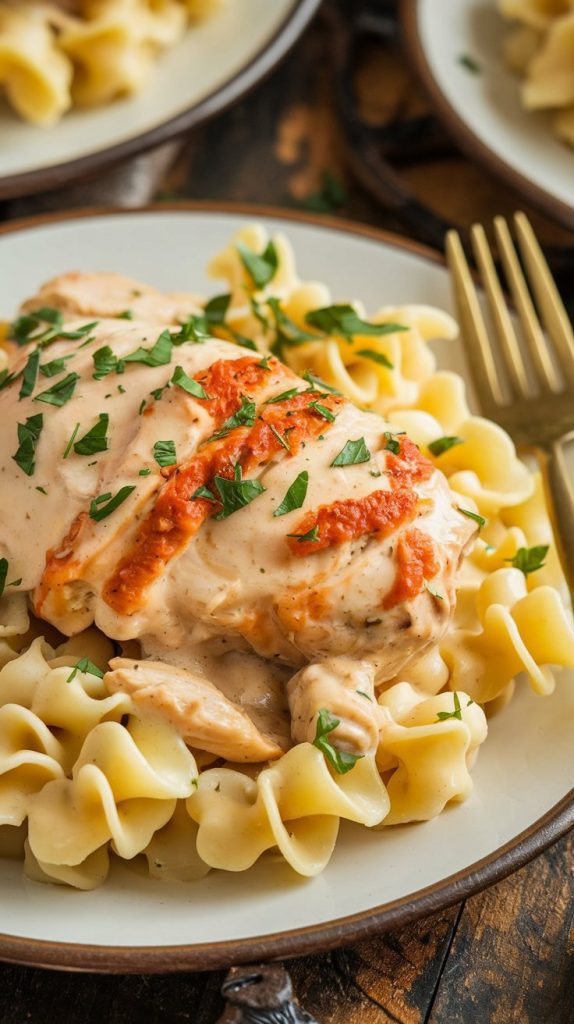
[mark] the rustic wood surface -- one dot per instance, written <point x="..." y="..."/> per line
<point x="506" y="955"/>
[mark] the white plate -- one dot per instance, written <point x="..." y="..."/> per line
<point x="483" y="110"/>
<point x="214" y="64"/>
<point x="375" y="879"/>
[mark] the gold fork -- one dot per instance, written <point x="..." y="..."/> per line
<point x="527" y="388"/>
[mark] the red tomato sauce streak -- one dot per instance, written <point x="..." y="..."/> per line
<point x="416" y="561"/>
<point x="380" y="512"/>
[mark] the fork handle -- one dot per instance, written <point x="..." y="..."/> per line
<point x="560" y="500"/>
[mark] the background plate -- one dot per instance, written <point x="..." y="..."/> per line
<point x="483" y="111"/>
<point x="522" y="799"/>
<point x="213" y="66"/>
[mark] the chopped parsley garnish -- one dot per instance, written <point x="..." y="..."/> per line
<point x="443" y="716"/>
<point x="319" y="385"/>
<point x="195" y="329"/>
<point x="261" y="268"/>
<point x="85" y="665"/>
<point x="280" y="437"/>
<point x="6" y="378"/>
<point x="472" y="515"/>
<point x="329" y="199"/>
<point x="443" y="444"/>
<point x="244" y="417"/>
<point x="257" y="310"/>
<point x="529" y="559"/>
<point x="283" y="397"/>
<point x="28" y="435"/>
<point x="203" y="492"/>
<point x="376" y="357"/>
<point x="352" y="454"/>
<point x="189" y="384"/>
<point x="95" y="440"/>
<point x="73" y="436"/>
<point x="216" y="309"/>
<point x="3" y="574"/>
<point x="264" y="363"/>
<point x="142" y="406"/>
<point x="432" y="592"/>
<point x="42" y="490"/>
<point x="30" y="374"/>
<point x="363" y="694"/>
<point x="158" y="355"/>
<point x="128" y="314"/>
<point x="237" y="493"/>
<point x="468" y="62"/>
<point x="340" y="760"/>
<point x="61" y="392"/>
<point x="241" y="339"/>
<point x="295" y="495"/>
<point x="55" y="366"/>
<point x="312" y="535"/>
<point x="99" y="510"/>
<point x="288" y="333"/>
<point x="105" y="362"/>
<point x="32" y="327"/>
<point x="144" y="472"/>
<point x="164" y="453"/>
<point x="322" y="411"/>
<point x="391" y="443"/>
<point x="346" y="322"/>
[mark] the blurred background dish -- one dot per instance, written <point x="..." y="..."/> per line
<point x="462" y="64"/>
<point x="215" y="63"/>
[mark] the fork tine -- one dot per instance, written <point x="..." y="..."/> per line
<point x="473" y="327"/>
<point x="499" y="312"/>
<point x="543" y="365"/>
<point x="551" y="306"/>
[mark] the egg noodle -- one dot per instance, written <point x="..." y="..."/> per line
<point x="540" y="48"/>
<point x="87" y="775"/>
<point x="56" y="55"/>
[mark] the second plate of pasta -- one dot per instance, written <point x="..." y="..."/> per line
<point x="500" y="74"/>
<point x="130" y="844"/>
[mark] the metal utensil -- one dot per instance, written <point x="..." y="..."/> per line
<point x="526" y="385"/>
<point x="261" y="995"/>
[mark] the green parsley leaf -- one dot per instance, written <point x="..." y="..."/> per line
<point x="264" y="363"/>
<point x="237" y="493"/>
<point x="55" y="366"/>
<point x="42" y="490"/>
<point x="216" y="309"/>
<point x="443" y="444"/>
<point x="363" y="694"/>
<point x="432" y="592"/>
<point x="195" y="330"/>
<point x="7" y="378"/>
<point x="295" y="495"/>
<point x="468" y="62"/>
<point x="329" y="199"/>
<point x="244" y="417"/>
<point x="3" y="574"/>
<point x="28" y="435"/>
<point x="319" y="385"/>
<point x="312" y="535"/>
<point x="391" y="443"/>
<point x="144" y="472"/>
<point x="261" y="268"/>
<point x="346" y="322"/>
<point x="105" y="362"/>
<point x="85" y="665"/>
<point x="68" y="447"/>
<point x="142" y="406"/>
<point x="164" y="453"/>
<point x="158" y="355"/>
<point x="203" y="492"/>
<point x="79" y="332"/>
<point x="128" y="314"/>
<point x="30" y="327"/>
<point x="280" y="437"/>
<point x="472" y="515"/>
<point x="443" y="716"/>
<point x="376" y="357"/>
<point x="323" y="411"/>
<point x="340" y="760"/>
<point x="240" y="339"/>
<point x="353" y="453"/>
<point x="61" y="392"/>
<point x="189" y="384"/>
<point x="288" y="333"/>
<point x="30" y="374"/>
<point x="99" y="511"/>
<point x="283" y="397"/>
<point x="529" y="559"/>
<point x="257" y="310"/>
<point x="95" y="440"/>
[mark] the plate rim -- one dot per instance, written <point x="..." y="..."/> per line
<point x="310" y="939"/>
<point x="469" y="142"/>
<point x="255" y="71"/>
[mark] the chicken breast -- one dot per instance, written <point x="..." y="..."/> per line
<point x="181" y="491"/>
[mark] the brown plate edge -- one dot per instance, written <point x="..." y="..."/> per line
<point x="470" y="143"/>
<point x="239" y="85"/>
<point x="497" y="865"/>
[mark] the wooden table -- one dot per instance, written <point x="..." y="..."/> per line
<point x="507" y="954"/>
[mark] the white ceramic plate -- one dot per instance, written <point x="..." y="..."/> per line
<point x="483" y="110"/>
<point x="216" y="63"/>
<point x="375" y="879"/>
